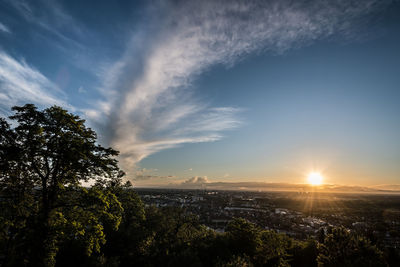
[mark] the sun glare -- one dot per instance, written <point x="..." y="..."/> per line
<point x="315" y="178"/>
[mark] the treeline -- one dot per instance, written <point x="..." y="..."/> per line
<point x="47" y="218"/>
<point x="171" y="237"/>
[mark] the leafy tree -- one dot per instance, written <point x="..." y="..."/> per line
<point x="263" y="247"/>
<point x="273" y="248"/>
<point x="344" y="248"/>
<point x="43" y="161"/>
<point x="236" y="261"/>
<point x="243" y="237"/>
<point x="304" y="253"/>
<point x="171" y="236"/>
<point x="17" y="201"/>
<point x="127" y="245"/>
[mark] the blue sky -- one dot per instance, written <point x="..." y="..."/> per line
<point x="264" y="91"/>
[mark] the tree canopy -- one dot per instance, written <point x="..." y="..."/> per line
<point x="43" y="161"/>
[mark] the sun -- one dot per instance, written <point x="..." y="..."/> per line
<point x="315" y="178"/>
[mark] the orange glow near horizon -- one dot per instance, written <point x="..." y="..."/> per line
<point x="315" y="178"/>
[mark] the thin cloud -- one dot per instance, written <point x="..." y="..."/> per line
<point x="82" y="90"/>
<point x="152" y="177"/>
<point x="151" y="103"/>
<point x="149" y="174"/>
<point x="134" y="151"/>
<point x="55" y="20"/>
<point x="21" y="83"/>
<point x="50" y="22"/>
<point x="4" y="28"/>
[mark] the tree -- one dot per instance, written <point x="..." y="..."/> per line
<point x="243" y="237"/>
<point x="44" y="159"/>
<point x="263" y="247"/>
<point x="236" y="261"/>
<point x="273" y="248"/>
<point x="344" y="248"/>
<point x="304" y="253"/>
<point x="17" y="201"/>
<point x="125" y="246"/>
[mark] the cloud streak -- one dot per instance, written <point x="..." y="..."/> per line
<point x="151" y="102"/>
<point x="50" y="23"/>
<point x="21" y="83"/>
<point x="52" y="18"/>
<point x="149" y="174"/>
<point x="4" y="28"/>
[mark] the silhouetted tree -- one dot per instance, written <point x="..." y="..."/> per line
<point x="43" y="161"/>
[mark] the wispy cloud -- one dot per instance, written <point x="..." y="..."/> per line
<point x="143" y="174"/>
<point x="50" y="16"/>
<point x="50" y="23"/>
<point x="4" y="28"/>
<point x="82" y="90"/>
<point x="21" y="83"/>
<point x="151" y="104"/>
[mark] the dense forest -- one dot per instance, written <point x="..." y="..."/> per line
<point x="48" y="218"/>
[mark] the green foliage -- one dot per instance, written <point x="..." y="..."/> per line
<point x="304" y="253"/>
<point x="172" y="234"/>
<point x="43" y="161"/>
<point x="273" y="249"/>
<point x="126" y="244"/>
<point x="344" y="248"/>
<point x="236" y="261"/>
<point x="243" y="237"/>
<point x="263" y="247"/>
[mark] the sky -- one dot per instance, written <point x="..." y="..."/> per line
<point x="197" y="92"/>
